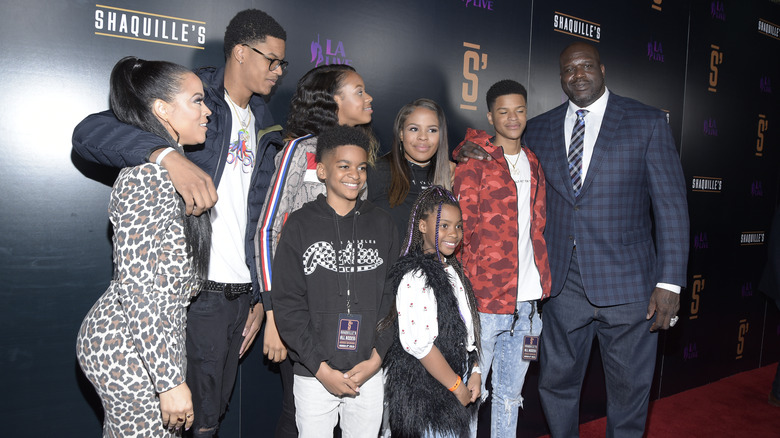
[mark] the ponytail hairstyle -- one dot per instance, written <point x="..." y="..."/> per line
<point x="438" y="170"/>
<point x="135" y="85"/>
<point x="313" y="108"/>
<point x="429" y="202"/>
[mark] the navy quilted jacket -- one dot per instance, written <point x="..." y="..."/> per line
<point x="103" y="139"/>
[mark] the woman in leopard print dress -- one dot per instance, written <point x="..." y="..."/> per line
<point x="131" y="344"/>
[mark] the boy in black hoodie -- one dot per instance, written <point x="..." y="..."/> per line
<point x="329" y="292"/>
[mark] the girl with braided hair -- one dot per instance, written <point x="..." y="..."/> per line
<point x="433" y="382"/>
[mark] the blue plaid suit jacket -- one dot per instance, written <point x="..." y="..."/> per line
<point x="635" y="166"/>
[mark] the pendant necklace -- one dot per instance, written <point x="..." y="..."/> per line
<point x="244" y="125"/>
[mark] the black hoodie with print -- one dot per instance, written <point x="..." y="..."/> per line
<point x="315" y="265"/>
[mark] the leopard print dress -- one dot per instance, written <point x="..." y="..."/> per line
<point x="131" y="345"/>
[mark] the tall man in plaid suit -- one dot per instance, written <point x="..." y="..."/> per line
<point x="612" y="279"/>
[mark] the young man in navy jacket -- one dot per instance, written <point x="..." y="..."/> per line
<point x="235" y="164"/>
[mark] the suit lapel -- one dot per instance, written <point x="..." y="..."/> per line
<point x="559" y="149"/>
<point x="609" y="125"/>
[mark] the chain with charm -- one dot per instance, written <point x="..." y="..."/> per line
<point x="244" y="124"/>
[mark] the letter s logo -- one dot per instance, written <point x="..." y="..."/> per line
<point x="716" y="58"/>
<point x="763" y="125"/>
<point x="473" y="62"/>
<point x="471" y="86"/>
<point x="698" y="286"/>
<point x="744" y="327"/>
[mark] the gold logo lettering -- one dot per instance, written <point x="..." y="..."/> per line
<point x="716" y="58"/>
<point x="473" y="62"/>
<point x="743" y="329"/>
<point x="763" y="125"/>
<point x="698" y="286"/>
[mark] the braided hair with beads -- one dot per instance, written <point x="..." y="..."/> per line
<point x="429" y="201"/>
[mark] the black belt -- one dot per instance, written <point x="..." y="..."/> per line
<point x="231" y="290"/>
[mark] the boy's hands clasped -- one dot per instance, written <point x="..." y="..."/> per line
<point x="363" y="371"/>
<point x="336" y="382"/>
<point x="348" y="384"/>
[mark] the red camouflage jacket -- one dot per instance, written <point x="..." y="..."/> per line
<point x="488" y="198"/>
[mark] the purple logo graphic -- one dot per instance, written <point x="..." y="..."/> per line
<point x="330" y="55"/>
<point x="482" y="4"/>
<point x="700" y="241"/>
<point x="757" y="189"/>
<point x="655" y="52"/>
<point x="765" y="84"/>
<point x="747" y="289"/>
<point x="710" y="127"/>
<point x="718" y="10"/>
<point x="690" y="351"/>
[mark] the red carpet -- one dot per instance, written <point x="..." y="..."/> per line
<point x="732" y="407"/>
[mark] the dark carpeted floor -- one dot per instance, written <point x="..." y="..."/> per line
<point x="732" y="407"/>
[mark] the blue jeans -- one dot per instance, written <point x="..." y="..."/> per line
<point x="628" y="352"/>
<point x="504" y="352"/>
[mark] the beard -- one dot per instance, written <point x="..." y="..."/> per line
<point x="586" y="99"/>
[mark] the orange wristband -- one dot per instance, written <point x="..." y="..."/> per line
<point x="455" y="386"/>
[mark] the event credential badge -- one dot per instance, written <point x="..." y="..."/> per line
<point x="349" y="332"/>
<point x="531" y="348"/>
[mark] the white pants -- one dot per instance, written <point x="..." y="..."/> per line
<point x="317" y="411"/>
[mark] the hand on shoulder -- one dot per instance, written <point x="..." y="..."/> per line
<point x="193" y="184"/>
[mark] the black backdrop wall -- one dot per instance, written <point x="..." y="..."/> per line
<point x="710" y="64"/>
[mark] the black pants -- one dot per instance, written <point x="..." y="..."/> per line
<point x="286" y="427"/>
<point x="214" y="335"/>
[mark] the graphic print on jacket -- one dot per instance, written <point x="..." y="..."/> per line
<point x="323" y="254"/>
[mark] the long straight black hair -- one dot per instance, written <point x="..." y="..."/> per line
<point x="135" y="85"/>
<point x="400" y="174"/>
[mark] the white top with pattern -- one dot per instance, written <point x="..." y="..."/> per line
<point x="229" y="216"/>
<point x="418" y="325"/>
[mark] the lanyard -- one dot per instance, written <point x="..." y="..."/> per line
<point x="345" y="269"/>
<point x="515" y="317"/>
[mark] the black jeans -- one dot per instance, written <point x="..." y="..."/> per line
<point x="214" y="335"/>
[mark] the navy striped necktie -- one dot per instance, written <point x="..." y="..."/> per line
<point x="575" y="152"/>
